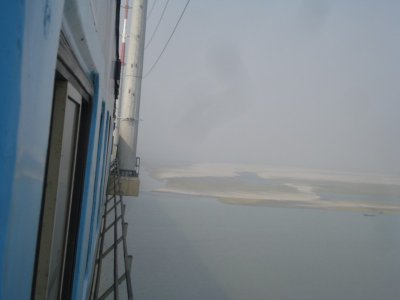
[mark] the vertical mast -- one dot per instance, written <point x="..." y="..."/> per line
<point x="130" y="100"/>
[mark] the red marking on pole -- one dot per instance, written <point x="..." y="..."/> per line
<point x="123" y="43"/>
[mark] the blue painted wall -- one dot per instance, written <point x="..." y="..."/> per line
<point x="29" y="33"/>
<point x="11" y="35"/>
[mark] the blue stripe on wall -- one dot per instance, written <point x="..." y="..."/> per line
<point x="11" y="34"/>
<point x="97" y="191"/>
<point x="80" y="262"/>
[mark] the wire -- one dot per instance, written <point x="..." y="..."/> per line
<point x="169" y="39"/>
<point x="158" y="24"/>
<point x="151" y="9"/>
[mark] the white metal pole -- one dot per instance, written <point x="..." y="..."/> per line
<point x="130" y="100"/>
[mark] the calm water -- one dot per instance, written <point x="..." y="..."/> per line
<point x="188" y="247"/>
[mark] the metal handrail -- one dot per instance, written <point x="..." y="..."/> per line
<point x="111" y="205"/>
<point x="131" y="173"/>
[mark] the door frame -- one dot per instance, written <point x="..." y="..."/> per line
<point x="68" y="76"/>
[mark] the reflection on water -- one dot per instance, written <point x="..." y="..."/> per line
<point x="188" y="247"/>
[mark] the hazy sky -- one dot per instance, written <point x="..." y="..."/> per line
<point x="302" y="83"/>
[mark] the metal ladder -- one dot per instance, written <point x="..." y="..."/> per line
<point x="112" y="279"/>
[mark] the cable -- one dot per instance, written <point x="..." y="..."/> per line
<point x="158" y="24"/>
<point x="151" y="9"/>
<point x="169" y="39"/>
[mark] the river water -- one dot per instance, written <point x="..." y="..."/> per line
<point x="190" y="247"/>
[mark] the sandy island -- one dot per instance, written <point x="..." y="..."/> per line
<point x="284" y="187"/>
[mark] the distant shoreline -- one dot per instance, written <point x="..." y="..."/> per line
<point x="345" y="206"/>
<point x="313" y="204"/>
<point x="274" y="187"/>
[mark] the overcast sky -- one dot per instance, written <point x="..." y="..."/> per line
<point x="302" y="83"/>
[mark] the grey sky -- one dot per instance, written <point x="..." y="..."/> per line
<point x="307" y="83"/>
